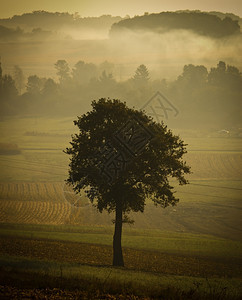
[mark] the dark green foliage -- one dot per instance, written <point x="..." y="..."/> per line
<point x="146" y="176"/>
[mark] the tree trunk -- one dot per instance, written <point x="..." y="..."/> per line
<point x="117" y="248"/>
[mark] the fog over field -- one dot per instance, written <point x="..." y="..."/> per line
<point x="164" y="54"/>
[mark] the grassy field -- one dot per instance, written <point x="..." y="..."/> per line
<point x="191" y="251"/>
<point x="99" y="280"/>
<point x="146" y="239"/>
<point x="75" y="258"/>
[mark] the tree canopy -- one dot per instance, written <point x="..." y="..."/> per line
<point x="107" y="161"/>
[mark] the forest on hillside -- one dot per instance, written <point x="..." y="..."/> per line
<point x="42" y="24"/>
<point x="198" y="22"/>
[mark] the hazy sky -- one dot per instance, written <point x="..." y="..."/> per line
<point x="8" y="8"/>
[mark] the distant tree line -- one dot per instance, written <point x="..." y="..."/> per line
<point x="55" y="21"/>
<point x="198" y="92"/>
<point x="15" y="34"/>
<point x="219" y="14"/>
<point x="199" y="22"/>
<point x="42" y="24"/>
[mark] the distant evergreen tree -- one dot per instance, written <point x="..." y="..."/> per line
<point x="141" y="75"/>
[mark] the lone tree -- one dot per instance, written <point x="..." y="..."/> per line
<point x="122" y="157"/>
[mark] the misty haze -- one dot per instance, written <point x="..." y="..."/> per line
<point x="101" y="118"/>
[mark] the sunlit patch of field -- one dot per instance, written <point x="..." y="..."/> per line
<point x="215" y="165"/>
<point x="51" y="164"/>
<point x="206" y="207"/>
<point x="42" y="141"/>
